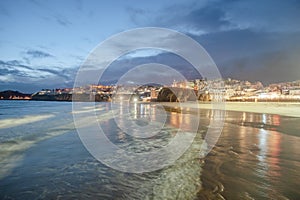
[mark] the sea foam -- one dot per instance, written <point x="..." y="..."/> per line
<point x="12" y="122"/>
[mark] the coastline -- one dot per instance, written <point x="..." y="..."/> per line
<point x="279" y="108"/>
<point x="290" y="109"/>
<point x="234" y="163"/>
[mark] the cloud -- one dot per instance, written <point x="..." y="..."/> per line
<point x="152" y="39"/>
<point x="264" y="16"/>
<point x="206" y="17"/>
<point x="15" y="75"/>
<point x="13" y="67"/>
<point x="53" y="14"/>
<point x="127" y="64"/>
<point x="247" y="39"/>
<point x="138" y="15"/>
<point x="7" y="78"/>
<point x="250" y="55"/>
<point x="276" y="66"/>
<point x="61" y="73"/>
<point x="252" y="40"/>
<point x="61" y="20"/>
<point x="38" y="54"/>
<point x="25" y="73"/>
<point x="191" y="17"/>
<point x="201" y="20"/>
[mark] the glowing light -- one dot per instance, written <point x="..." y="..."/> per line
<point x="264" y="119"/>
<point x="263" y="95"/>
<point x="244" y="116"/>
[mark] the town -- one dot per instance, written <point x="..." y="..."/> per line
<point x="199" y="89"/>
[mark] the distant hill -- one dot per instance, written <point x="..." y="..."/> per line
<point x="14" y="95"/>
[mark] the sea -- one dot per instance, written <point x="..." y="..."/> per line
<point x="42" y="155"/>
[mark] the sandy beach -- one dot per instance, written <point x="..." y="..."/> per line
<point x="280" y="108"/>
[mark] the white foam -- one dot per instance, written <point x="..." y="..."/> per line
<point x="8" y="164"/>
<point x="182" y="180"/>
<point x="8" y="159"/>
<point x="12" y="122"/>
<point x="87" y="110"/>
<point x="11" y="153"/>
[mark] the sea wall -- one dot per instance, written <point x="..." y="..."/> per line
<point x="57" y="97"/>
<point x="70" y="97"/>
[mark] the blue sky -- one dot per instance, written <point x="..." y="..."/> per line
<point x="43" y="43"/>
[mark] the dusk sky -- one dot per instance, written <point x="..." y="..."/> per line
<point x="43" y="43"/>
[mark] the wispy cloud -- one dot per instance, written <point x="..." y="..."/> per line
<point x="60" y="73"/>
<point x="61" y="20"/>
<point x="14" y="70"/>
<point x="20" y="72"/>
<point x="18" y="76"/>
<point x="38" y="54"/>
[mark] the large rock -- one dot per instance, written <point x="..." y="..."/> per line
<point x="171" y="94"/>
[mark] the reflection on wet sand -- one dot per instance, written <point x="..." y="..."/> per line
<point x="253" y="159"/>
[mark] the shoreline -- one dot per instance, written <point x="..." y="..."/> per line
<point x="278" y="108"/>
<point x="291" y="109"/>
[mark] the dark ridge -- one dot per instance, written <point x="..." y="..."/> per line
<point x="10" y="94"/>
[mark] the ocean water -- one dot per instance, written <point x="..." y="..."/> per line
<point x="42" y="157"/>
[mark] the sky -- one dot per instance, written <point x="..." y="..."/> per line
<point x="43" y="43"/>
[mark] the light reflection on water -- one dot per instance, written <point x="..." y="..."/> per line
<point x="61" y="168"/>
<point x="257" y="156"/>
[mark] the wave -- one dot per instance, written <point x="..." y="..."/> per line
<point x="12" y="151"/>
<point x="17" y="136"/>
<point x="181" y="180"/>
<point x="13" y="122"/>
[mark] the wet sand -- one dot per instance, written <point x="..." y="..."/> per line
<point x="256" y="157"/>
<point x="257" y="154"/>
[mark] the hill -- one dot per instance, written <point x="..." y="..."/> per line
<point x="14" y="95"/>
